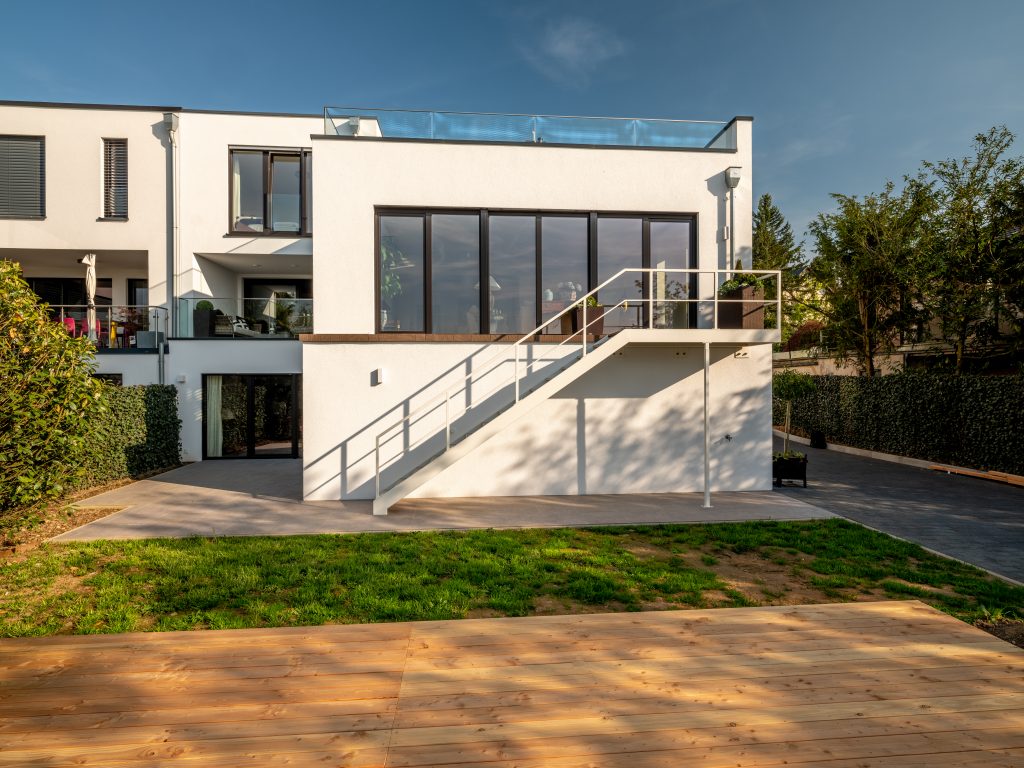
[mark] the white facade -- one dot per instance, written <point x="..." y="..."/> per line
<point x="631" y="423"/>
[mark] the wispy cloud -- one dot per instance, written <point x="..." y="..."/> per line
<point x="570" y="50"/>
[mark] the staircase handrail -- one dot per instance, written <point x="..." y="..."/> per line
<point x="581" y="302"/>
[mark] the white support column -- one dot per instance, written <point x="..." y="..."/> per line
<point x="707" y="428"/>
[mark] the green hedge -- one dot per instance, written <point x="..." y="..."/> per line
<point x="138" y="432"/>
<point x="970" y="421"/>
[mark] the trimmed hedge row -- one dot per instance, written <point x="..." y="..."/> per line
<point x="970" y="421"/>
<point x="138" y="431"/>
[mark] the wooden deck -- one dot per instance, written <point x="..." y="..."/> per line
<point x="843" y="686"/>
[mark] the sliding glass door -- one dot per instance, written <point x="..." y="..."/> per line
<point x="251" y="416"/>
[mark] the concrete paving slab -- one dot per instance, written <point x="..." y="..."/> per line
<point x="262" y="498"/>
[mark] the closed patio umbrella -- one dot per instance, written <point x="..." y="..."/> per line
<point x="90" y="293"/>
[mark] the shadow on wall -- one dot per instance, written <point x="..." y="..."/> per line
<point x="411" y="445"/>
<point x="610" y="432"/>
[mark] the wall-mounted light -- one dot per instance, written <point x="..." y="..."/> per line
<point x="377" y="377"/>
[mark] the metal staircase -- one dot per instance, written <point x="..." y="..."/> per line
<point x="530" y="384"/>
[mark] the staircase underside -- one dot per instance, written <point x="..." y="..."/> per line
<point x="574" y="371"/>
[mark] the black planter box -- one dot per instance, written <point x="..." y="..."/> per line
<point x="573" y="322"/>
<point x="789" y="469"/>
<point x="744" y="308"/>
<point x="203" y="323"/>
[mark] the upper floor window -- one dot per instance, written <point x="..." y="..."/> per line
<point x="270" y="192"/>
<point x="22" y="177"/>
<point x="115" y="178"/>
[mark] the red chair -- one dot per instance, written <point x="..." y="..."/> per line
<point x="69" y="325"/>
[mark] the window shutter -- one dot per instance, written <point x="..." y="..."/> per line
<point x="22" y="176"/>
<point x="115" y="178"/>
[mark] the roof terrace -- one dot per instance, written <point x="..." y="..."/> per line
<point x="529" y="129"/>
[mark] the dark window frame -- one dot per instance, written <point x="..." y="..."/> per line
<point x="484" y="214"/>
<point x="42" y="179"/>
<point x="108" y="194"/>
<point x="268" y="153"/>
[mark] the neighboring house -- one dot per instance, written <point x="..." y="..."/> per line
<point x="441" y="241"/>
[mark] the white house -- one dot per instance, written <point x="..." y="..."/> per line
<point x="451" y="253"/>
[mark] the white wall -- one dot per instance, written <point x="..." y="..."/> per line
<point x="632" y="424"/>
<point x="353" y="175"/>
<point x="135" y="368"/>
<point x="74" y="187"/>
<point x="192" y="359"/>
<point x="204" y="140"/>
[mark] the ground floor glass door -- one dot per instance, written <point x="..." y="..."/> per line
<point x="251" y="416"/>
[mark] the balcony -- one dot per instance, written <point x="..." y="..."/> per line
<point x="529" y="129"/>
<point x="114" y="328"/>
<point x="244" y="318"/>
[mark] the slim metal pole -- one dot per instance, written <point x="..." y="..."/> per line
<point x="707" y="428"/>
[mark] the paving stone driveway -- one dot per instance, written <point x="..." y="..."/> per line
<point x="979" y="521"/>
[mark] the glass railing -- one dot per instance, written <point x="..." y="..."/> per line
<point x="244" y="318"/>
<point x="529" y="129"/>
<point x="113" y="327"/>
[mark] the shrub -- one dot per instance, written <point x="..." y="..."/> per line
<point x="48" y="396"/>
<point x="971" y="421"/>
<point x="137" y="433"/>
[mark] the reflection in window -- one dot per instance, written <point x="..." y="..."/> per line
<point x="564" y="264"/>
<point x="670" y="249"/>
<point x="455" y="269"/>
<point x="271" y="192"/>
<point x="620" y="246"/>
<point x="247" y="191"/>
<point x="401" y="273"/>
<point x="285" y="207"/>
<point x="513" y="279"/>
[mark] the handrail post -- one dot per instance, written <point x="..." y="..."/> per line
<point x="515" y="369"/>
<point x="583" y="330"/>
<point x="650" y="299"/>
<point x="714" y="296"/>
<point x="376" y="466"/>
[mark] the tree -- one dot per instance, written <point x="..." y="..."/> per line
<point x="774" y="247"/>
<point x="971" y="264"/>
<point x="47" y="396"/>
<point x="864" y="269"/>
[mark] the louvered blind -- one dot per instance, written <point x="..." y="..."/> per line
<point x="115" y="178"/>
<point x="22" y="176"/>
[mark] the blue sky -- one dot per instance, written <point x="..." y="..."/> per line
<point x="844" y="94"/>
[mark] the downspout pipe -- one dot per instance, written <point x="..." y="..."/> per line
<point x="171" y="124"/>
<point x="732" y="180"/>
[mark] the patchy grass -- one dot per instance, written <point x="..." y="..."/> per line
<point x="167" y="584"/>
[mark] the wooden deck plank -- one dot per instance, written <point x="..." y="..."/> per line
<point x="869" y="684"/>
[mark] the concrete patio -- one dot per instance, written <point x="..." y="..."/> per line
<point x="263" y="498"/>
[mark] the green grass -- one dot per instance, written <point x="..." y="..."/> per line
<point x="196" y="583"/>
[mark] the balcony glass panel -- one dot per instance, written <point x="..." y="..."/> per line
<point x="401" y="273"/>
<point x="513" y="260"/>
<point x="455" y="272"/>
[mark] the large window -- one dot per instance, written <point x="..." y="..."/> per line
<point x="437" y="269"/>
<point x="270" y="192"/>
<point x="22" y="177"/>
<point x="115" y="178"/>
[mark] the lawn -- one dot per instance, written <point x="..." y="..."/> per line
<point x="173" y="584"/>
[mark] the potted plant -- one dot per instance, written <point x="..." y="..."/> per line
<point x="744" y="302"/>
<point x="572" y="322"/>
<point x="787" y="387"/>
<point x="203" y="322"/>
